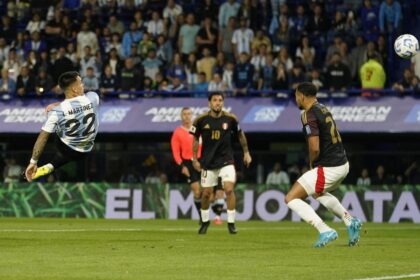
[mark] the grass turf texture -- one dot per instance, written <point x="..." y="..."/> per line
<point x="158" y="249"/>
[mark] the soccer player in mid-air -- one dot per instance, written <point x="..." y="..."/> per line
<point x="75" y="122"/>
<point x="182" y="151"/>
<point x="328" y="168"/>
<point x="217" y="129"/>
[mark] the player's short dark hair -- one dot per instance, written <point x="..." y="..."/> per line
<point x="216" y="93"/>
<point x="67" y="78"/>
<point x="307" y="88"/>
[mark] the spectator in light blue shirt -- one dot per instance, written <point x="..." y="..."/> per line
<point x="90" y="82"/>
<point x="229" y="9"/>
<point x="389" y="16"/>
<point x="133" y="36"/>
<point x="7" y="85"/>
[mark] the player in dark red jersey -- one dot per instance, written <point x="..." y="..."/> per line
<point x="328" y="168"/>
<point x="218" y="129"/>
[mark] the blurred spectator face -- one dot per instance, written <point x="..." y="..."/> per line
<point x="115" y="38"/>
<point x="296" y="70"/>
<point x="217" y="78"/>
<point x="12" y="54"/>
<point x="300" y="10"/>
<point x="335" y="58"/>
<point x="155" y="16"/>
<point x="338" y="16"/>
<point x="318" y="10"/>
<point x="177" y="59"/>
<point x="24" y="71"/>
<point x="90" y="73"/>
<point x="206" y="52"/>
<point x="220" y="57"/>
<point x="337" y="41"/>
<point x="284" y="9"/>
<point x="230" y="66"/>
<point x="35" y="36"/>
<point x="367" y="3"/>
<point x="44" y="55"/>
<point x="365" y="173"/>
<point x="408" y="74"/>
<point x="190" y="19"/>
<point x="113" y="20"/>
<point x="2" y="42"/>
<point x="177" y="82"/>
<point x="269" y="59"/>
<point x="138" y="16"/>
<point x="207" y="21"/>
<point x="106" y="32"/>
<point x="180" y="19"/>
<point x="32" y="55"/>
<point x="171" y="3"/>
<point x="151" y="54"/>
<point x="380" y="170"/>
<point x="305" y="41"/>
<point x="108" y="71"/>
<point x="36" y="17"/>
<point x="277" y="167"/>
<point x="262" y="49"/>
<point x="201" y="78"/>
<point x="191" y="58"/>
<point x="260" y="34"/>
<point x="5" y="20"/>
<point x="133" y="26"/>
<point x="315" y="75"/>
<point x="113" y="53"/>
<point x="242" y="23"/>
<point x="232" y="23"/>
<point x="381" y="41"/>
<point x="161" y="40"/>
<point x="343" y="48"/>
<point x="42" y="74"/>
<point x="62" y="52"/>
<point x="129" y="63"/>
<point x="70" y="48"/>
<point x="146" y="37"/>
<point x="359" y="41"/>
<point x="87" y="51"/>
<point x="243" y="58"/>
<point x="389" y="2"/>
<point x="85" y="26"/>
<point x="370" y="46"/>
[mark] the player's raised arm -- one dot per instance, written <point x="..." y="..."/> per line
<point x="36" y="154"/>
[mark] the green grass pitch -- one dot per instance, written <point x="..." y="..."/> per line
<point x="159" y="249"/>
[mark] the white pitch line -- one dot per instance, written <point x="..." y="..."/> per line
<point x="392" y="277"/>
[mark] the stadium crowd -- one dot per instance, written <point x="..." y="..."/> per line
<point x="168" y="45"/>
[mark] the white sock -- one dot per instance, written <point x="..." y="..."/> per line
<point x="205" y="215"/>
<point x="333" y="205"/>
<point x="307" y="213"/>
<point x="231" y="216"/>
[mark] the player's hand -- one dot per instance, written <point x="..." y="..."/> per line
<point x="185" y="171"/>
<point x="247" y="159"/>
<point x="51" y="106"/>
<point x="197" y="165"/>
<point x="30" y="171"/>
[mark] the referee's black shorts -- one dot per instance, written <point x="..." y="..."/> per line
<point x="195" y="176"/>
<point x="65" y="154"/>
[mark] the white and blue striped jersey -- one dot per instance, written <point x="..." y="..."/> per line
<point x="75" y="121"/>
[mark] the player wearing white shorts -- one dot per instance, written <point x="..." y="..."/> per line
<point x="74" y="121"/>
<point x="217" y="129"/>
<point x="328" y="168"/>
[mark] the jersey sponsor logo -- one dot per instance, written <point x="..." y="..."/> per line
<point x="414" y="115"/>
<point x="23" y="115"/>
<point x="207" y="126"/>
<point x="308" y="129"/>
<point x="360" y="113"/>
<point x="113" y="114"/>
<point x="263" y="114"/>
<point x="225" y="126"/>
<point x="167" y="114"/>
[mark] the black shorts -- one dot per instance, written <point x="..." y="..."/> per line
<point x="65" y="154"/>
<point x="195" y="176"/>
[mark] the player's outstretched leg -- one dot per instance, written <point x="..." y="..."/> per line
<point x="231" y="205"/>
<point x="205" y="212"/>
<point x="307" y="213"/>
<point x="43" y="170"/>
<point x="353" y="224"/>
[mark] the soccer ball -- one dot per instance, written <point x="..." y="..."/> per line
<point x="406" y="46"/>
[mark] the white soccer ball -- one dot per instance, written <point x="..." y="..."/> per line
<point x="406" y="46"/>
